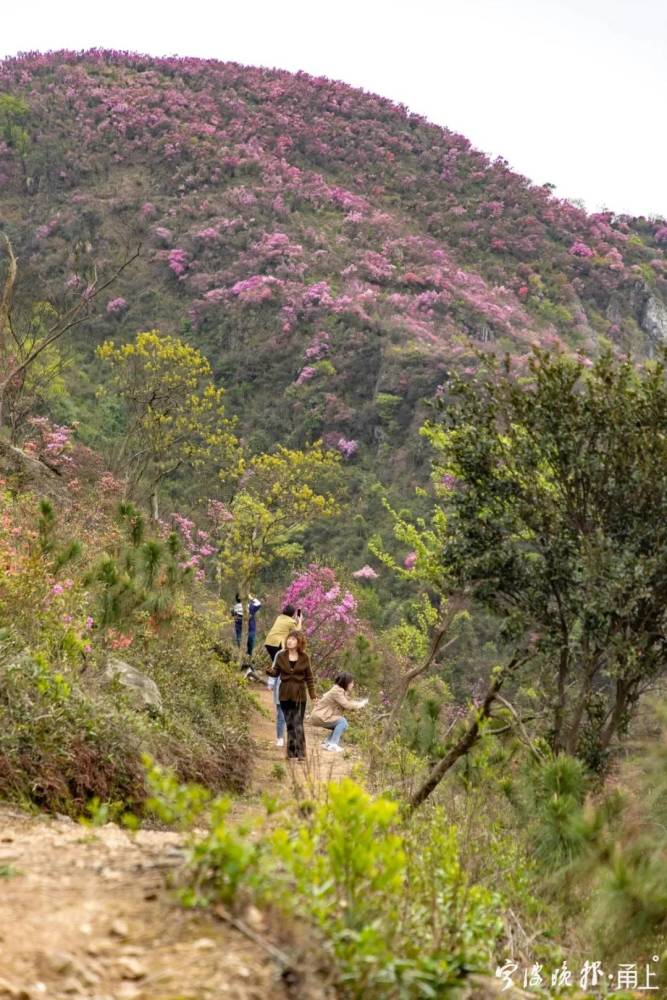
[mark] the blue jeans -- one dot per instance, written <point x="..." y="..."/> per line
<point x="280" y="722"/>
<point x="338" y="730"/>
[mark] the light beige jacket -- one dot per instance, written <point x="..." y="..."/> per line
<point x="332" y="706"/>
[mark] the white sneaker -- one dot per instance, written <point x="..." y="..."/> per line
<point x="280" y="742"/>
<point x="334" y="747"/>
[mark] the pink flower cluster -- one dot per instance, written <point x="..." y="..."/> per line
<point x="178" y="262"/>
<point x="116" y="307"/>
<point x="579" y="249"/>
<point x="306" y="374"/>
<point x="365" y="573"/>
<point x="196" y="544"/>
<point x="329" y="611"/>
<point x="318" y="347"/>
<point x="52" y="442"/>
<point x="256" y="289"/>
<point x="218" y="513"/>
<point x="347" y="447"/>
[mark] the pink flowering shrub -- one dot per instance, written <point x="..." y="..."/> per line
<point x="196" y="543"/>
<point x="579" y="249"/>
<point x="329" y="613"/>
<point x="51" y="442"/>
<point x="178" y="262"/>
<point x="256" y="289"/>
<point x="318" y="347"/>
<point x="347" y="447"/>
<point x="365" y="573"/>
<point x="306" y="374"/>
<point x="116" y="307"/>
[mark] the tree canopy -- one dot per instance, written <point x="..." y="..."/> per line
<point x="555" y="487"/>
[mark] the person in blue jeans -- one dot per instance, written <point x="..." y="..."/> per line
<point x="328" y="711"/>
<point x="237" y="613"/>
<point x="274" y="686"/>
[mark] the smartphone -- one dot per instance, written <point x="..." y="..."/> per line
<point x="298" y="612"/>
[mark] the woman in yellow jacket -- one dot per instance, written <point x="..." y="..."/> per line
<point x="328" y="711"/>
<point x="285" y="623"/>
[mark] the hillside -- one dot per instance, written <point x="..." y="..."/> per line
<point x="320" y="264"/>
<point x="321" y="245"/>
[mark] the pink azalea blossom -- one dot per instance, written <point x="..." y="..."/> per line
<point x="365" y="573"/>
<point x="115" y="307"/>
<point x="580" y="249"/>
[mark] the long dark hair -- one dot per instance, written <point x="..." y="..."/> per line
<point x="343" y="680"/>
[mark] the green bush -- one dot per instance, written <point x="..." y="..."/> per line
<point x="392" y="906"/>
<point x="58" y="747"/>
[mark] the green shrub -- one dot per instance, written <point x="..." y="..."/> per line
<point x="58" y="747"/>
<point x="393" y="907"/>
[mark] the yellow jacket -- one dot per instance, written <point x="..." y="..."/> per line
<point x="280" y="629"/>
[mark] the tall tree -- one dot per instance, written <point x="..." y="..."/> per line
<point x="174" y="414"/>
<point x="556" y="494"/>
<point x="30" y="336"/>
<point x="278" y="497"/>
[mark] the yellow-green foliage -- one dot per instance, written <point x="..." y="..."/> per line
<point x="280" y="494"/>
<point x="392" y="905"/>
<point x="175" y="414"/>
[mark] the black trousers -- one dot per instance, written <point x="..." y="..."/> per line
<point x="294" y="712"/>
<point x="272" y="650"/>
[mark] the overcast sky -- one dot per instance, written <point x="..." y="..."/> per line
<point x="571" y="92"/>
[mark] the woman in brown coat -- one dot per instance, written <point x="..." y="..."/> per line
<point x="293" y="668"/>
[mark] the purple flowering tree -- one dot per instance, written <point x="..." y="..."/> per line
<point x="329" y="613"/>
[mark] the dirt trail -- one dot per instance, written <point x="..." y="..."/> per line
<point x="87" y="913"/>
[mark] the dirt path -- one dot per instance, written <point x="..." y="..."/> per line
<point x="86" y="912"/>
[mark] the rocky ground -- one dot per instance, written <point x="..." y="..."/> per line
<point x="88" y="913"/>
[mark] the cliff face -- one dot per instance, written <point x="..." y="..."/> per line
<point x="324" y="247"/>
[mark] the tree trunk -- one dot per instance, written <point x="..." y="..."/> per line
<point x="155" y="506"/>
<point x="617" y="713"/>
<point x="584" y="697"/>
<point x="467" y="741"/>
<point x="559" y="713"/>
<point x="411" y="675"/>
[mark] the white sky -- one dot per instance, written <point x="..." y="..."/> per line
<point x="569" y="91"/>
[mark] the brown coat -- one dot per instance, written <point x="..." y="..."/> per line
<point x="294" y="677"/>
<point x="332" y="706"/>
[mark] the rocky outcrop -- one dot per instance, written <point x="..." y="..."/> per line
<point x="653" y="319"/>
<point x="23" y="472"/>
<point x="143" y="692"/>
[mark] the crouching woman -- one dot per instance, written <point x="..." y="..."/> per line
<point x="329" y="711"/>
<point x="292" y="666"/>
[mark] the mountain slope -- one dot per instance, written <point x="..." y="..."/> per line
<point x="319" y="243"/>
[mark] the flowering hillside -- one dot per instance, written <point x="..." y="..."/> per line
<point x="314" y="240"/>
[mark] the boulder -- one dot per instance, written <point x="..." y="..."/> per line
<point x="144" y="692"/>
<point x="24" y="472"/>
<point x="654" y="320"/>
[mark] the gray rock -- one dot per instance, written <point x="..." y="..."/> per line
<point x="25" y="472"/>
<point x="654" y="319"/>
<point x="144" y="692"/>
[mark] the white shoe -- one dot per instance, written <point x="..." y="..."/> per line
<point x="334" y="747"/>
<point x="280" y="742"/>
